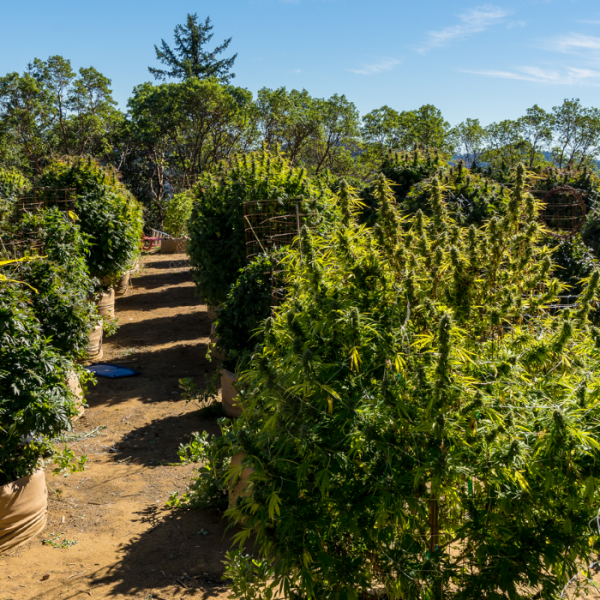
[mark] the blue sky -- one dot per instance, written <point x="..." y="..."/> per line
<point x="471" y="59"/>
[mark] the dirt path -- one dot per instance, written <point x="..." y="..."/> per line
<point x="127" y="544"/>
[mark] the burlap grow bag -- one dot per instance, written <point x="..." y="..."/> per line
<point x="23" y="509"/>
<point x="231" y="406"/>
<point x="106" y="303"/>
<point x="122" y="284"/>
<point x="75" y="387"/>
<point x="95" y="351"/>
<point x="239" y="485"/>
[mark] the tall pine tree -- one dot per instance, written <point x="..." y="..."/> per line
<point x="189" y="58"/>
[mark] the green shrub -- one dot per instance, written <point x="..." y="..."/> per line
<point x="107" y="212"/>
<point x="11" y="183"/>
<point x="419" y="417"/>
<point x="217" y="246"/>
<point x="63" y="286"/>
<point x="179" y="211"/>
<point x="247" y="305"/>
<point x="36" y="404"/>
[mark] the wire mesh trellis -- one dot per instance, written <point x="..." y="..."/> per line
<point x="272" y="225"/>
<point x="563" y="211"/>
<point x="19" y="239"/>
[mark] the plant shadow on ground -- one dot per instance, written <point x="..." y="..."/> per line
<point x="161" y="371"/>
<point x="162" y="330"/>
<point x="150" y="281"/>
<point x="172" y="296"/>
<point x="183" y="548"/>
<point x="159" y="441"/>
<point x="172" y="261"/>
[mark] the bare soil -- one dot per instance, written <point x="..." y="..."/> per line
<point x="127" y="544"/>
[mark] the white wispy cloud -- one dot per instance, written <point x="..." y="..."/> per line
<point x="387" y="64"/>
<point x="566" y="76"/>
<point x="574" y="42"/>
<point x="475" y="20"/>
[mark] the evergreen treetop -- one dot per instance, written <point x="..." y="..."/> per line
<point x="189" y="58"/>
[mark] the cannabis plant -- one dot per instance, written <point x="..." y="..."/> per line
<point x="247" y="305"/>
<point x="404" y="170"/>
<point x="36" y="404"/>
<point x="470" y="198"/>
<point x="60" y="287"/>
<point x="217" y="227"/>
<point x="178" y="213"/>
<point x="107" y="212"/>
<point x="421" y="419"/>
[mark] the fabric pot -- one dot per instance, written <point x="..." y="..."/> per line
<point x="239" y="485"/>
<point x="211" y="311"/>
<point x="105" y="301"/>
<point x="173" y="245"/>
<point x="122" y="284"/>
<point x="23" y="510"/>
<point x="231" y="407"/>
<point x="95" y="351"/>
<point x="75" y="387"/>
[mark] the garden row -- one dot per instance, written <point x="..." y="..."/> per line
<point x="417" y="412"/>
<point x="417" y="405"/>
<point x="63" y="262"/>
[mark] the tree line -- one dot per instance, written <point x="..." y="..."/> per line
<point x="171" y="132"/>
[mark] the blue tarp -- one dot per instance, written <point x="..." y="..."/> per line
<point x="112" y="371"/>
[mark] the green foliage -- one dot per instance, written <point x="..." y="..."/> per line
<point x="576" y="129"/>
<point x="178" y="214"/>
<point x="209" y="487"/>
<point x="419" y="418"/>
<point x="179" y="131"/>
<point x="335" y="138"/>
<point x="50" y="111"/>
<point x="471" y="139"/>
<point x="55" y="541"/>
<point x="574" y="262"/>
<point x="217" y="246"/>
<point x="507" y="146"/>
<point x="470" y="198"/>
<point x="585" y="180"/>
<point x="63" y="286"/>
<point x="36" y="404"/>
<point x="249" y="576"/>
<point x="422" y="129"/>
<point x="247" y="305"/>
<point x="287" y="119"/>
<point x="107" y="213"/>
<point x="11" y="183"/>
